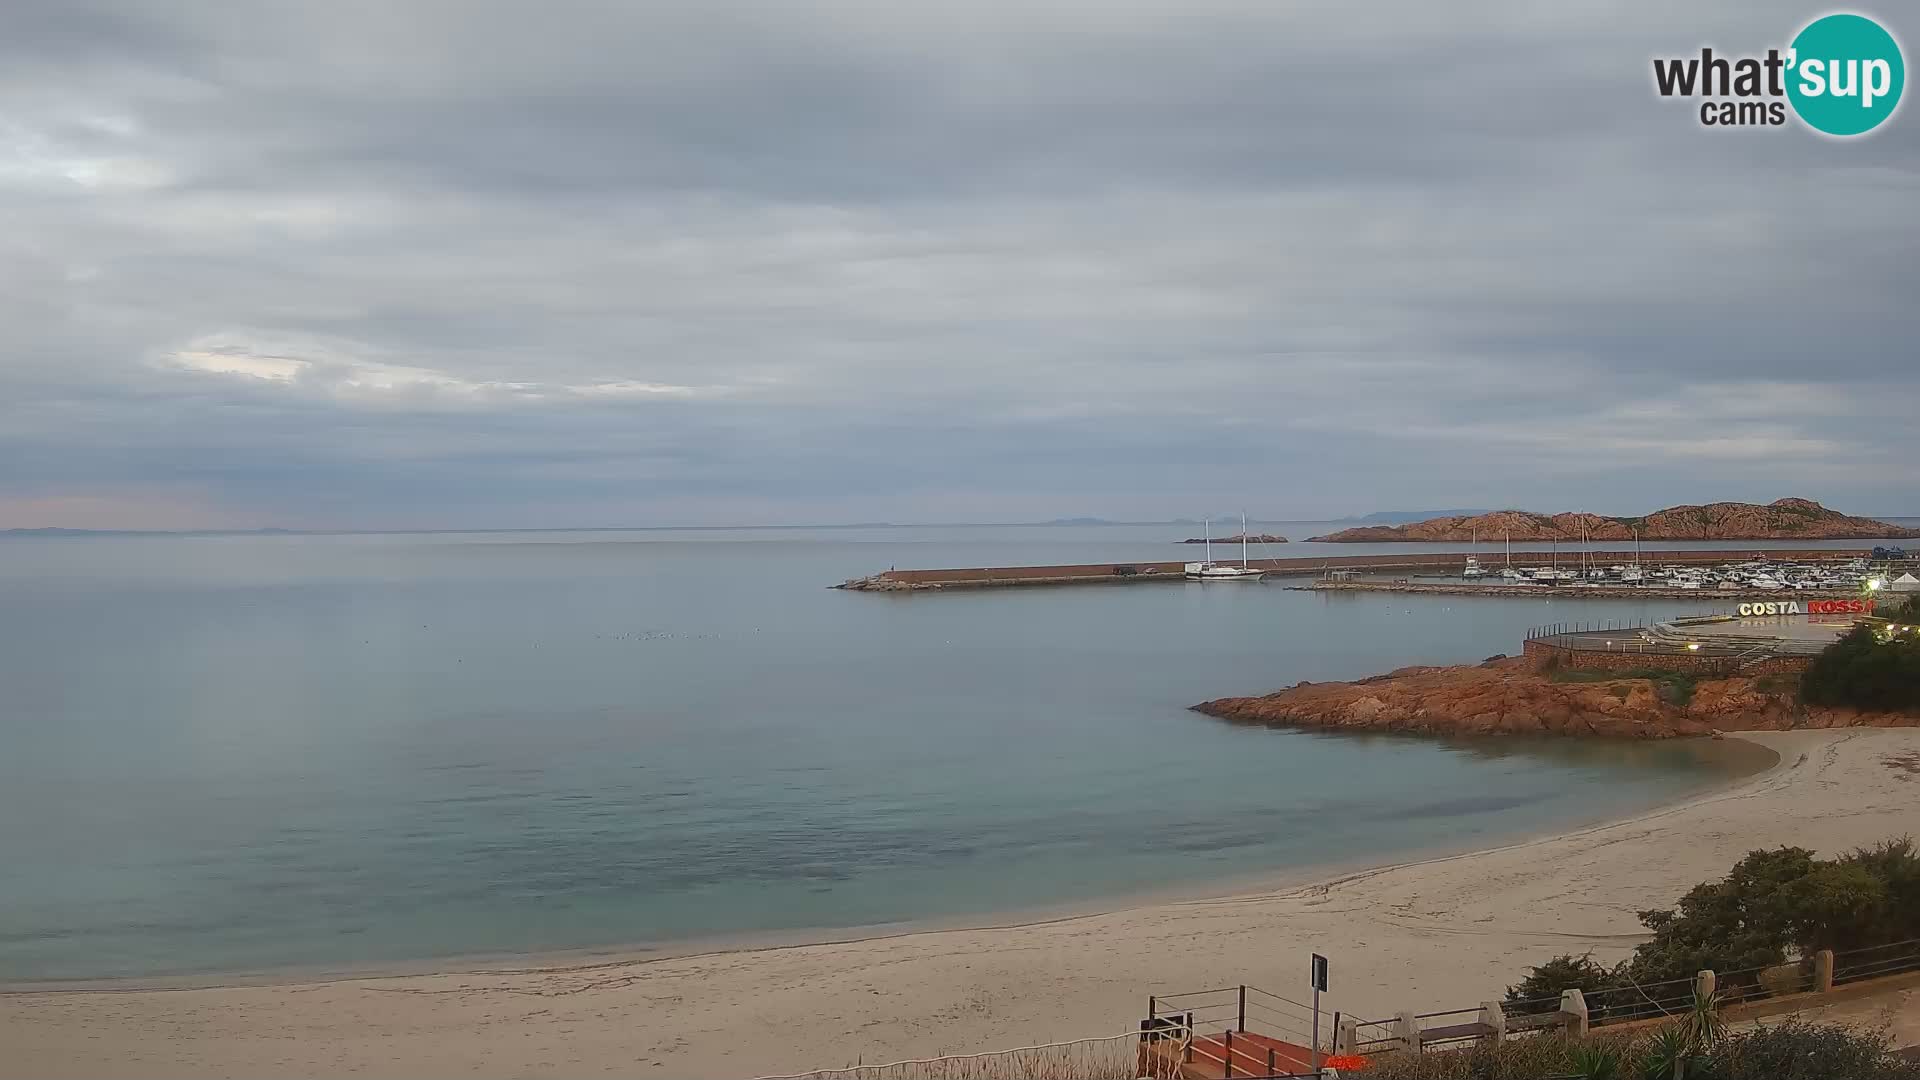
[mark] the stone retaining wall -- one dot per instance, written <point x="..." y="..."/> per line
<point x="1542" y="653"/>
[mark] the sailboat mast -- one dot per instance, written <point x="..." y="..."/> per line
<point x="1207" y="524"/>
<point x="1243" y="539"/>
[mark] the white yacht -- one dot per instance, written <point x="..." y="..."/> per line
<point x="1209" y="570"/>
<point x="1474" y="569"/>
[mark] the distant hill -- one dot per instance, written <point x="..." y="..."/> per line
<point x="1400" y="517"/>
<point x="57" y="531"/>
<point x="1784" y="519"/>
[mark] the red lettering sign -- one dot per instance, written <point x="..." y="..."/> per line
<point x="1839" y="607"/>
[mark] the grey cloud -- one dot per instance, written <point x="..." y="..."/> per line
<point x="494" y="264"/>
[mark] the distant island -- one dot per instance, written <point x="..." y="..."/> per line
<point x="1253" y="538"/>
<point x="1784" y="519"/>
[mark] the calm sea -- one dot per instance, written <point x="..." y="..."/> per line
<point x="258" y="753"/>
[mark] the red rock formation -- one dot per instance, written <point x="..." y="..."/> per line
<point x="1509" y="696"/>
<point x="1783" y="519"/>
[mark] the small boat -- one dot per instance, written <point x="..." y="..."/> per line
<point x="1213" y="571"/>
<point x="1474" y="569"/>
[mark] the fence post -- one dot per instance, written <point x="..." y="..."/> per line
<point x="1573" y="1006"/>
<point x="1823" y="971"/>
<point x="1346" y="1036"/>
<point x="1242" y="1025"/>
<point x="1703" y="984"/>
<point x="1270" y="1069"/>
<point x="1228" y="1055"/>
<point x="1407" y="1027"/>
<point x="1495" y="1019"/>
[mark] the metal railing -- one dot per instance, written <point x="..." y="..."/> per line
<point x="1233" y="1028"/>
<point x="1648" y="1001"/>
<point x="1876" y="961"/>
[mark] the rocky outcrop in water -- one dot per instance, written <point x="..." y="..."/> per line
<point x="1783" y="519"/>
<point x="1510" y="696"/>
<point x="1255" y="538"/>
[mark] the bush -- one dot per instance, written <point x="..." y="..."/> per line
<point x="1772" y="905"/>
<point x="1901" y="611"/>
<point x="1673" y="687"/>
<point x="1791" y="1051"/>
<point x="1540" y="991"/>
<point x="1868" y="668"/>
<point x="1796" y="1051"/>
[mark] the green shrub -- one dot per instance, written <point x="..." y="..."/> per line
<point x="1672" y="687"/>
<point x="1772" y="904"/>
<point x="1797" y="1051"/>
<point x="1540" y="991"/>
<point x="1791" y="1051"/>
<point x="1867" y="668"/>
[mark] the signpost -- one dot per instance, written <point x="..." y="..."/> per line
<point x="1319" y="985"/>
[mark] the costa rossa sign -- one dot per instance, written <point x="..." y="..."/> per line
<point x="1814" y="607"/>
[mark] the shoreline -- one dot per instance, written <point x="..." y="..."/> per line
<point x="1443" y="932"/>
<point x="589" y="958"/>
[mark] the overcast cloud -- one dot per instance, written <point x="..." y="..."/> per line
<point x="446" y="265"/>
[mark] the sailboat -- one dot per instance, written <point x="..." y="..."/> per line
<point x="1632" y="575"/>
<point x="1474" y="569"/>
<point x="1213" y="571"/>
<point x="1510" y="574"/>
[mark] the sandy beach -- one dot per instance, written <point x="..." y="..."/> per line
<point x="1444" y="933"/>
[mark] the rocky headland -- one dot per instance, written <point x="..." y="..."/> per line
<point x="1783" y="519"/>
<point x="1509" y="695"/>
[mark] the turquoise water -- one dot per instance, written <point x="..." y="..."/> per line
<point x="252" y="753"/>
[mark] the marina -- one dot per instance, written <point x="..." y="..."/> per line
<point x="1683" y="573"/>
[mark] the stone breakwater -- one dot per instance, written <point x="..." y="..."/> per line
<point x="1509" y="695"/>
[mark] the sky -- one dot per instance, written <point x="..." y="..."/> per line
<point x="463" y="265"/>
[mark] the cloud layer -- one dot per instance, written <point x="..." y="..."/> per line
<point x="462" y="264"/>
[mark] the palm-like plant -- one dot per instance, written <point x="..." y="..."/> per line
<point x="1597" y="1061"/>
<point x="1703" y="1027"/>
<point x="1664" y="1056"/>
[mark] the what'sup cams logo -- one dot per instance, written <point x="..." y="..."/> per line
<point x="1841" y="75"/>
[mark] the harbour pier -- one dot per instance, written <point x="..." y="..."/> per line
<point x="1429" y="562"/>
